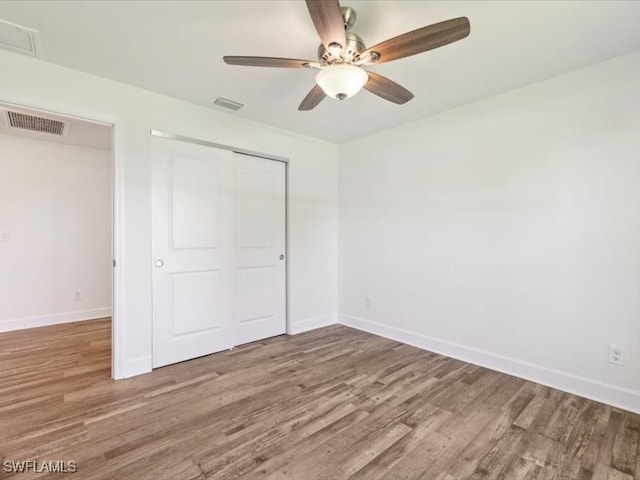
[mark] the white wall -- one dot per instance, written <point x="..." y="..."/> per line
<point x="506" y="232"/>
<point x="312" y="187"/>
<point x="55" y="206"/>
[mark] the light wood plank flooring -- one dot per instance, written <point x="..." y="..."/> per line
<point x="330" y="404"/>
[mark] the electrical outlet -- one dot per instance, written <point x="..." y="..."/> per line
<point x="368" y="303"/>
<point x="616" y="355"/>
<point x="5" y="236"/>
<point x="77" y="297"/>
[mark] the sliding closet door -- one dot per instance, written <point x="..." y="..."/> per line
<point x="193" y="251"/>
<point x="260" y="250"/>
<point x="219" y="266"/>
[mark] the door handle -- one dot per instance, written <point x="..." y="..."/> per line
<point x="281" y="256"/>
<point x="158" y="263"/>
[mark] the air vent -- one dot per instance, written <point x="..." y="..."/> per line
<point x="18" y="38"/>
<point x="226" y="103"/>
<point x="35" y="123"/>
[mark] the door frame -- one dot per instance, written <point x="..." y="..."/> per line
<point x="266" y="156"/>
<point x="117" y="202"/>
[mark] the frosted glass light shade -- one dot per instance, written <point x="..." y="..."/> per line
<point x="342" y="80"/>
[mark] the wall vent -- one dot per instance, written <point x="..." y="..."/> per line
<point x="18" y="38"/>
<point x="226" y="103"/>
<point x="35" y="123"/>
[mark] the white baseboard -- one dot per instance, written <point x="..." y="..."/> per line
<point x="578" y="385"/>
<point x="11" y="324"/>
<point x="135" y="366"/>
<point x="311" y="324"/>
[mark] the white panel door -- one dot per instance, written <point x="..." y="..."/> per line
<point x="260" y="249"/>
<point x="193" y="250"/>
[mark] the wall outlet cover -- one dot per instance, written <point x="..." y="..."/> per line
<point x="616" y="355"/>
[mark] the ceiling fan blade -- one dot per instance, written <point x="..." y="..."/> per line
<point x="421" y="40"/>
<point x="327" y="18"/>
<point x="268" y="62"/>
<point x="313" y="98"/>
<point x="387" y="89"/>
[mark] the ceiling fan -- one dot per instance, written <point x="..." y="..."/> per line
<point x="342" y="54"/>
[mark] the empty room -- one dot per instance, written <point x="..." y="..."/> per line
<point x="320" y="240"/>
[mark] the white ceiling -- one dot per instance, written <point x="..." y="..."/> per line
<point x="77" y="132"/>
<point x="176" y="48"/>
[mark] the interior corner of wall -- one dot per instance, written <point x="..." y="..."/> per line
<point x="312" y="323"/>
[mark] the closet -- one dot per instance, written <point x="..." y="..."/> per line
<point x="218" y="249"/>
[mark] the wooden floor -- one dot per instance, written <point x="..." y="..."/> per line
<point x="327" y="405"/>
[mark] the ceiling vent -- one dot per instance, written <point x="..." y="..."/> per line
<point x="18" y="38"/>
<point x="226" y="103"/>
<point x="35" y="123"/>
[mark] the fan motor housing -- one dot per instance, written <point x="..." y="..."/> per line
<point x="350" y="53"/>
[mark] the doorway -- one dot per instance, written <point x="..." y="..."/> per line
<point x="57" y="228"/>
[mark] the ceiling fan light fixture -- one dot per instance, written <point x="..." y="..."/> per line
<point x="342" y="54"/>
<point x="342" y="80"/>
